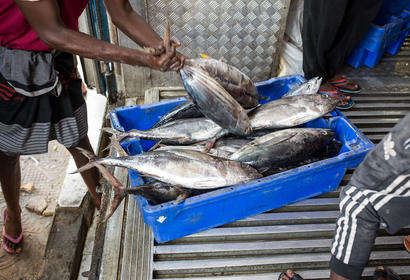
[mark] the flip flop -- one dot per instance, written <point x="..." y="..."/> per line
<point x="349" y="104"/>
<point x="385" y="273"/>
<point x="406" y="244"/>
<point x="15" y="241"/>
<point x="342" y="82"/>
<point x="294" y="277"/>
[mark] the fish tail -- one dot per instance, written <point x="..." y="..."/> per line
<point x="118" y="135"/>
<point x="89" y="165"/>
<point x="118" y="188"/>
<point x="84" y="167"/>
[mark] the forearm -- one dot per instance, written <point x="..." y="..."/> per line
<point x="83" y="45"/>
<point x="132" y="24"/>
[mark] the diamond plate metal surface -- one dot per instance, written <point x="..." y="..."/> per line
<point x="245" y="33"/>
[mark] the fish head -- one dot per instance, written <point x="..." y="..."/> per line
<point x="324" y="102"/>
<point x="312" y="86"/>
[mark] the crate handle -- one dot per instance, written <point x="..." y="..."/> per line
<point x="115" y="123"/>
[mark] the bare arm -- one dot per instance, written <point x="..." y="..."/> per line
<point x="135" y="27"/>
<point x="44" y="18"/>
<point x="132" y="24"/>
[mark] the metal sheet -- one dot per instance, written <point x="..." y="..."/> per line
<point x="245" y="33"/>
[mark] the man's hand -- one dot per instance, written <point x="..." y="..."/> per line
<point x="167" y="60"/>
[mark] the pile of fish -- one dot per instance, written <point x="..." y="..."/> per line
<point x="222" y="136"/>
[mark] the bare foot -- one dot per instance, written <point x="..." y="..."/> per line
<point x="382" y="273"/>
<point x="289" y="274"/>
<point x="345" y="83"/>
<point x="328" y="87"/>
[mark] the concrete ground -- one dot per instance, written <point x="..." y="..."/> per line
<point x="48" y="174"/>
<point x="44" y="172"/>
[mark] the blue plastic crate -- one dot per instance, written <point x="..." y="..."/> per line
<point x="380" y="39"/>
<point x="391" y="8"/>
<point x="171" y="220"/>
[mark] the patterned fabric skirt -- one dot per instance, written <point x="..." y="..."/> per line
<point x="28" y="123"/>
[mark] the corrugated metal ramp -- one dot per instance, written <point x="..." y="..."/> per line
<point x="296" y="236"/>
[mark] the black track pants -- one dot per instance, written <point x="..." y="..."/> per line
<point x="378" y="194"/>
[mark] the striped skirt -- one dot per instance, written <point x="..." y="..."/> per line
<point x="28" y="123"/>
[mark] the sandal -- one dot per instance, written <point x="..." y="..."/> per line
<point x="342" y="81"/>
<point x="385" y="273"/>
<point x="406" y="243"/>
<point x="336" y="93"/>
<point x="15" y="241"/>
<point x="294" y="277"/>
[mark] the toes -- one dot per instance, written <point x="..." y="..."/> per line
<point x="283" y="276"/>
<point x="290" y="273"/>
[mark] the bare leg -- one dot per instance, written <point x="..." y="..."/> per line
<point x="407" y="242"/>
<point x="92" y="176"/>
<point x="10" y="179"/>
<point x="334" y="276"/>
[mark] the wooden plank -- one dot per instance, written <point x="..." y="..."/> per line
<point x="258" y="232"/>
<point x="376" y="114"/>
<point x="180" y="251"/>
<point x="306" y="274"/>
<point x="128" y="251"/>
<point x="151" y="95"/>
<point x="380" y="105"/>
<point x="265" y="263"/>
<point x="111" y="254"/>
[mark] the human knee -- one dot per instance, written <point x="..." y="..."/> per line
<point x="9" y="160"/>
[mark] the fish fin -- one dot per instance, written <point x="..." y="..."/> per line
<point x="156" y="145"/>
<point x="119" y="190"/>
<point x="263" y="169"/>
<point x="114" y="132"/>
<point x="209" y="145"/>
<point x="115" y="140"/>
<point x="89" y="165"/>
<point x="183" y="194"/>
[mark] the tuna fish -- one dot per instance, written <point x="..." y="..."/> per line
<point x="183" y="131"/>
<point x="185" y="110"/>
<point x="236" y="83"/>
<point x="179" y="168"/>
<point x="292" y="111"/>
<point x="182" y="168"/>
<point x="223" y="148"/>
<point x="283" y="148"/>
<point x="214" y="101"/>
<point x="310" y="87"/>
